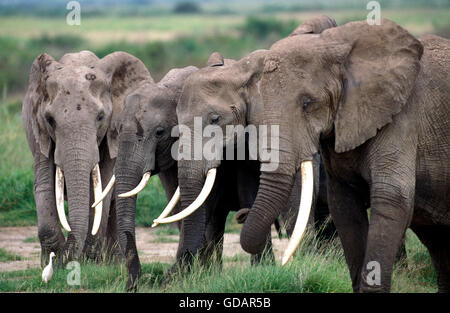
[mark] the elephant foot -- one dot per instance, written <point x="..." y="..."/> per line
<point x="50" y="242"/>
<point x="181" y="267"/>
<point x="134" y="275"/>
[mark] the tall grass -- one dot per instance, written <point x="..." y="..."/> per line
<point x="313" y="269"/>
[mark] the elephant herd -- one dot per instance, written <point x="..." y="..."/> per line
<point x="363" y="119"/>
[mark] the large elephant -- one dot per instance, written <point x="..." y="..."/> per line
<point x="145" y="142"/>
<point x="69" y="113"/>
<point x="374" y="100"/>
<point x="222" y="94"/>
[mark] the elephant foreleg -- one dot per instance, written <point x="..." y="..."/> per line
<point x="49" y="231"/>
<point x="349" y="214"/>
<point x="392" y="204"/>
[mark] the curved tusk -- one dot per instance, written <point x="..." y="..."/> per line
<point x="105" y="192"/>
<point x="97" y="182"/>
<point x="59" y="195"/>
<point x="207" y="187"/>
<point x="303" y="212"/>
<point x="170" y="206"/>
<point x="139" y="187"/>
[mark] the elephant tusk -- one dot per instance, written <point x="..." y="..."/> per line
<point x="207" y="187"/>
<point x="139" y="187"/>
<point x="59" y="195"/>
<point x="105" y="192"/>
<point x="303" y="212"/>
<point x="97" y="182"/>
<point x="170" y="206"/>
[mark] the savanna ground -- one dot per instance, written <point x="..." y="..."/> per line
<point x="164" y="40"/>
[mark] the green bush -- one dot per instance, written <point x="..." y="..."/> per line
<point x="186" y="7"/>
<point x="262" y="28"/>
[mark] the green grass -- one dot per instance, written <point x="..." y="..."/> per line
<point x="163" y="239"/>
<point x="31" y="239"/>
<point x="6" y="256"/>
<point x="312" y="269"/>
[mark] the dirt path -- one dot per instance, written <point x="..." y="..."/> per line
<point x="22" y="241"/>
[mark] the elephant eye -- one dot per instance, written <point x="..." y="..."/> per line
<point x="215" y="119"/>
<point x="159" y="131"/>
<point x="307" y="103"/>
<point x="100" y="116"/>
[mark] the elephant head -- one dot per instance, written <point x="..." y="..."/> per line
<point x="219" y="95"/>
<point x="74" y="105"/>
<point x="145" y="127"/>
<point x="346" y="84"/>
<point x="223" y="94"/>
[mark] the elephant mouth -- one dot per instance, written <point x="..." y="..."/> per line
<point x="59" y="195"/>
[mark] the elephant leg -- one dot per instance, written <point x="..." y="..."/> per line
<point x="49" y="231"/>
<point x="112" y="247"/>
<point x="437" y="241"/>
<point x="349" y="214"/>
<point x="213" y="246"/>
<point x="391" y="211"/>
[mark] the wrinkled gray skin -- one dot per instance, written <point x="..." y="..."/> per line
<point x="374" y="100"/>
<point x="145" y="142"/>
<point x="68" y="114"/>
<point x="231" y="91"/>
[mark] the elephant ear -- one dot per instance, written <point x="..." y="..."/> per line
<point x="381" y="63"/>
<point x="125" y="74"/>
<point x="36" y="97"/>
<point x="248" y="67"/>
<point x="174" y="79"/>
<point x="314" y="26"/>
<point x="215" y="59"/>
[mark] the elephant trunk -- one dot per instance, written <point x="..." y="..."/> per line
<point x="128" y="172"/>
<point x="273" y="195"/>
<point x="191" y="179"/>
<point x="78" y="167"/>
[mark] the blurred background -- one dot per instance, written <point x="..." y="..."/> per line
<point x="163" y="34"/>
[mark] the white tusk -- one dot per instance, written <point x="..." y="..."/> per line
<point x="97" y="182"/>
<point x="170" y="206"/>
<point x="207" y="187"/>
<point x="139" y="187"/>
<point x="59" y="195"/>
<point x="303" y="212"/>
<point x="105" y="192"/>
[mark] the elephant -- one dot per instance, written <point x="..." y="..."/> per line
<point x="373" y="99"/>
<point x="145" y="141"/>
<point x="68" y="113"/>
<point x="222" y="94"/>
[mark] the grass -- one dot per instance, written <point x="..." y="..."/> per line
<point x="312" y="269"/>
<point x="6" y="256"/>
<point x="31" y="239"/>
<point x="163" y="239"/>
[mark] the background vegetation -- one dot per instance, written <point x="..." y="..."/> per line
<point x="167" y="34"/>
